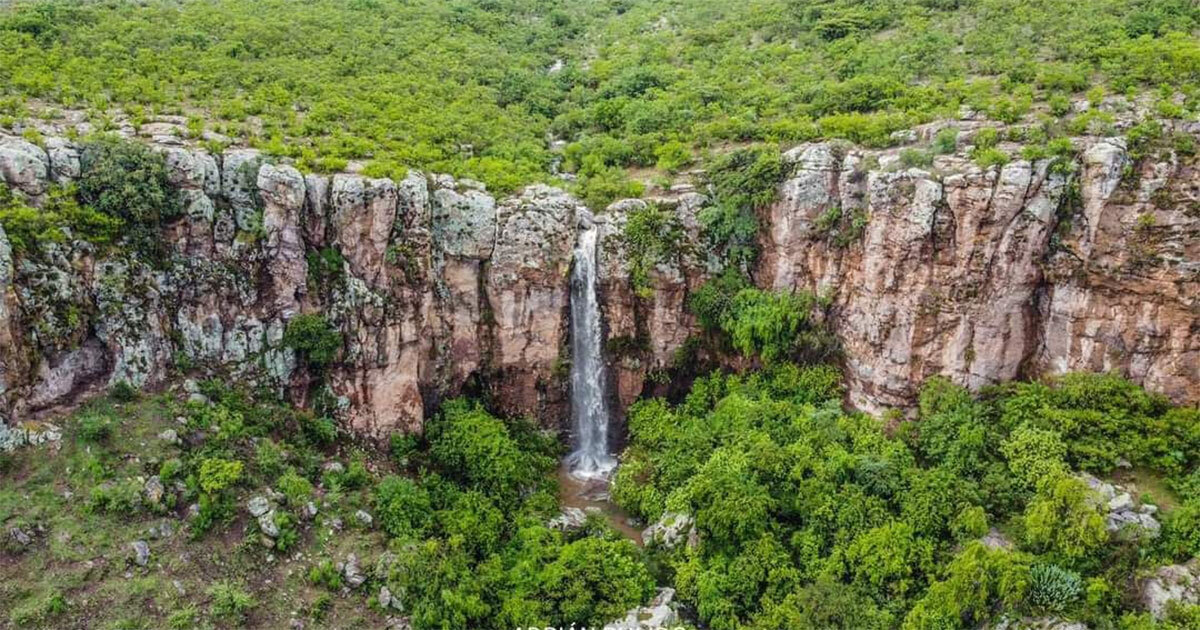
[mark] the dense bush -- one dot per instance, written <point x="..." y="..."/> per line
<point x="313" y="337"/>
<point x="127" y="181"/>
<point x="793" y="497"/>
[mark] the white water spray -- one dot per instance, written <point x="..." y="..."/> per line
<point x="589" y="402"/>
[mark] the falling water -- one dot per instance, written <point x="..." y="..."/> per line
<point x="589" y="405"/>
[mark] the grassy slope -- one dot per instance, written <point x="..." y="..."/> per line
<point x="79" y="570"/>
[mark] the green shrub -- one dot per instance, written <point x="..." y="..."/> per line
<point x="774" y="326"/>
<point x="229" y="601"/>
<point x="1053" y="588"/>
<point x="59" y="219"/>
<point x="946" y="141"/>
<point x="94" y="428"/>
<point x="296" y="489"/>
<point x="127" y="180"/>
<point x="314" y="338"/>
<point x="326" y="574"/>
<point x="915" y="158"/>
<point x="470" y="445"/>
<point x="742" y="182"/>
<point x="403" y="507"/>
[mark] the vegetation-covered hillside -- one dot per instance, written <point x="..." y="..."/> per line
<point x="481" y="87"/>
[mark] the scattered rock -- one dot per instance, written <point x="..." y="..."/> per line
<point x="1121" y="503"/>
<point x="333" y="467"/>
<point x="1123" y="513"/>
<point x="671" y="529"/>
<point x="1174" y="583"/>
<point x="20" y="536"/>
<point x="351" y="571"/>
<point x="387" y="600"/>
<point x="154" y="490"/>
<point x="363" y="518"/>
<point x="659" y="613"/>
<point x="258" y="506"/>
<point x="141" y="552"/>
<point x="169" y="436"/>
<point x="309" y="510"/>
<point x="994" y="539"/>
<point x="193" y="511"/>
<point x="266" y="523"/>
<point x="570" y="519"/>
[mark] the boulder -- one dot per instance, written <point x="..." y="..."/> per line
<point x="1175" y="583"/>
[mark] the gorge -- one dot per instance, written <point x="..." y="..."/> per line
<point x="982" y="275"/>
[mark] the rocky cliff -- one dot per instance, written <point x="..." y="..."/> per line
<point x="986" y="275"/>
<point x="438" y="287"/>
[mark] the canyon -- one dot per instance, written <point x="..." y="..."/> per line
<point x="440" y="288"/>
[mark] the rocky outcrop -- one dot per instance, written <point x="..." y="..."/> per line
<point x="986" y="275"/>
<point x="1174" y="584"/>
<point x="440" y="288"/>
<point x="435" y="286"/>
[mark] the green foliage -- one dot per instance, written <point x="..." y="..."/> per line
<point x="61" y="218"/>
<point x="403" y="507"/>
<point x="127" y="181"/>
<point x="775" y="326"/>
<point x="479" y="451"/>
<point x="313" y="337"/>
<point x="652" y="236"/>
<point x="1064" y="519"/>
<point x="1053" y="588"/>
<point x="296" y="489"/>
<point x="742" y="182"/>
<point x="230" y="601"/>
<point x="95" y="428"/>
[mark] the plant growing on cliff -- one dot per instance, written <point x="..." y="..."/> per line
<point x="126" y="180"/>
<point x="775" y="326"/>
<point x="742" y="182"/>
<point x="60" y="219"/>
<point x="314" y="338"/>
<point x="652" y="236"/>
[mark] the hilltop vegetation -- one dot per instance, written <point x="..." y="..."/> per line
<point x="476" y="87"/>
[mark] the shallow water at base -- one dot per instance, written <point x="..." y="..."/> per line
<point x="574" y="491"/>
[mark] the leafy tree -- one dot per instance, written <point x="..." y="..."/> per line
<point x="127" y="181"/>
<point x="403" y="507"/>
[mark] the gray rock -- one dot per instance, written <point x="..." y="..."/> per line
<point x="364" y="518"/>
<point x="154" y="490"/>
<point x="309" y="510"/>
<point x="351" y="571"/>
<point x="20" y="536"/>
<point x="670" y="530"/>
<point x="1121" y="503"/>
<point x="387" y="600"/>
<point x="659" y="613"/>
<point x="258" y="506"/>
<point x="170" y="436"/>
<point x="1174" y="583"/>
<point x="995" y="539"/>
<point x="141" y="552"/>
<point x="266" y="523"/>
<point x="23" y="165"/>
<point x="571" y="518"/>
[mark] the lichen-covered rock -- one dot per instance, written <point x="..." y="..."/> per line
<point x="24" y="166"/>
<point x="659" y="613"/>
<point x="1175" y="583"/>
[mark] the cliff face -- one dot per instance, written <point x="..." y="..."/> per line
<point x="988" y="275"/>
<point x="439" y="288"/>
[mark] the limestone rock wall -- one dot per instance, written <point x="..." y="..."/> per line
<point x="436" y="286"/>
<point x="439" y="288"/>
<point x="989" y="275"/>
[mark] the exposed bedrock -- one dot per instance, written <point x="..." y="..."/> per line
<point x="439" y="288"/>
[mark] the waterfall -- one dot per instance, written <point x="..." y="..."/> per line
<point x="589" y="402"/>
